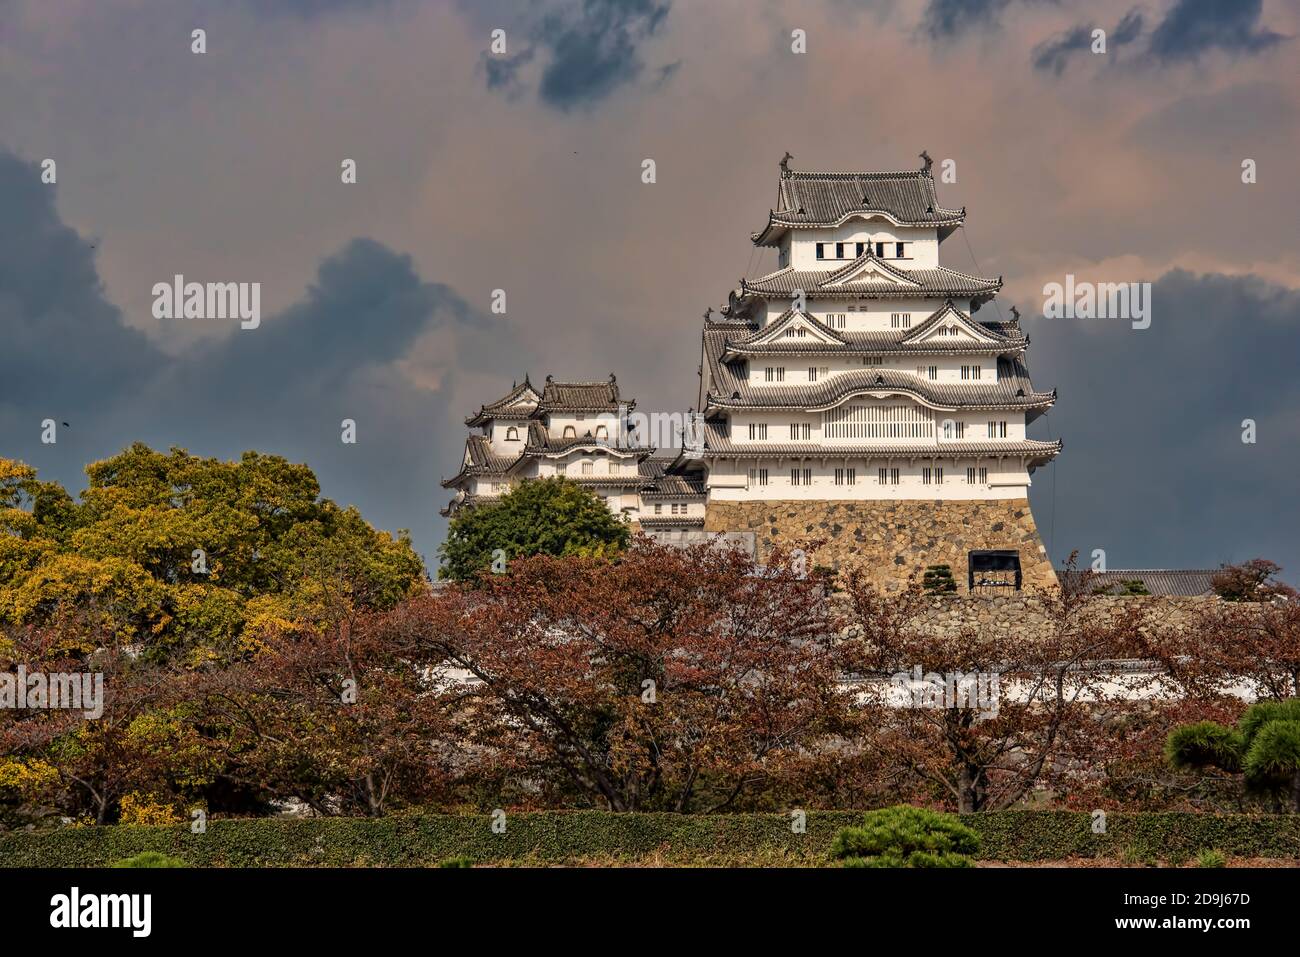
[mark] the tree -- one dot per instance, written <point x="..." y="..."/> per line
<point x="1264" y="748"/>
<point x="550" y="516"/>
<point x="1229" y="643"/>
<point x="334" y="716"/>
<point x="1255" y="580"/>
<point x="905" y="836"/>
<point x="1037" y="728"/>
<point x="188" y="557"/>
<point x="666" y="678"/>
<point x="82" y="765"/>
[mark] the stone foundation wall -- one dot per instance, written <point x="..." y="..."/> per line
<point x="1025" y="615"/>
<point x="893" y="539"/>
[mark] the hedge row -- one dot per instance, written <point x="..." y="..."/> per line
<point x="556" y="836"/>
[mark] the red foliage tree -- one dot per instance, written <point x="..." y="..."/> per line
<point x="666" y="679"/>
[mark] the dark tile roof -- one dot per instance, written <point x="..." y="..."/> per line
<point x="855" y="342"/>
<point x="519" y="403"/>
<point x="835" y="283"/>
<point x="807" y="198"/>
<point x="480" y="459"/>
<point x="1158" y="581"/>
<point x="671" y="521"/>
<point x="673" y="486"/>
<point x="581" y="396"/>
<point x="542" y="443"/>
<point x="605" y="481"/>
<point x="729" y="390"/>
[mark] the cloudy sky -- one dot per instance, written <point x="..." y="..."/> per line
<point x="521" y="171"/>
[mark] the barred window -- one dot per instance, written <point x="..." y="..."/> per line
<point x="978" y="476"/>
<point x="878" y="421"/>
<point x="888" y="477"/>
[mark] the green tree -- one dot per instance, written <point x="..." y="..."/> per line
<point x="188" y="556"/>
<point x="906" y="836"/>
<point x="1264" y="748"/>
<point x="550" y="516"/>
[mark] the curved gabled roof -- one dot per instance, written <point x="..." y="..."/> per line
<point x="808" y="199"/>
<point x="519" y="403"/>
<point x="729" y="389"/>
<point x="581" y="396"/>
<point x="1010" y="392"/>
<point x="755" y="336"/>
<point x="893" y="282"/>
<point x="992" y="339"/>
<point x="480" y="459"/>
<point x="540" y="443"/>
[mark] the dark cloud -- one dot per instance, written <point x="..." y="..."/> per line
<point x="1154" y="469"/>
<point x="1053" y="55"/>
<point x="64" y="345"/>
<point x="282" y="388"/>
<point x="503" y="71"/>
<point x="1193" y="27"/>
<point x="951" y="18"/>
<point x="591" y="48"/>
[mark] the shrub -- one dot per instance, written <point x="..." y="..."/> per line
<point x="1211" y="858"/>
<point x="1203" y="744"/>
<point x="1265" y="746"/>
<point x="150" y="859"/>
<point x="456" y="862"/>
<point x="905" y="836"/>
<point x="938" y="579"/>
<point x="549" y="516"/>
<point x="425" y="840"/>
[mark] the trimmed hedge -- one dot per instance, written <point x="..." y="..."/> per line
<point x="427" y="840"/>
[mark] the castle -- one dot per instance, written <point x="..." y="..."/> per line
<point x="851" y="396"/>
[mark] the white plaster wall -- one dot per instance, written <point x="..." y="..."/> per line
<point x="497" y="432"/>
<point x="796" y="368"/>
<point x="588" y="422"/>
<point x="729" y="480"/>
<point x="922" y="250"/>
<point x="975" y="430"/>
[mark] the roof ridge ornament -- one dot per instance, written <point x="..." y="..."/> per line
<point x="925" y="158"/>
<point x="785" y="164"/>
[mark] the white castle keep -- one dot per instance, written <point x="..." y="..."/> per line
<point x="851" y="396"/>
